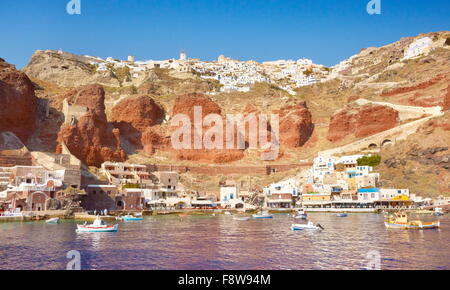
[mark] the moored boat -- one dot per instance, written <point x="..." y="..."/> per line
<point x="262" y="215"/>
<point x="342" y="214"/>
<point x="401" y="221"/>
<point x="98" y="226"/>
<point x="53" y="220"/>
<point x="309" y="226"/>
<point x="244" y="218"/>
<point x="438" y="212"/>
<point x="301" y="214"/>
<point x="131" y="218"/>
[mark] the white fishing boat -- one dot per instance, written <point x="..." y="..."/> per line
<point x="262" y="215"/>
<point x="53" y="220"/>
<point x="227" y="213"/>
<point x="301" y="214"/>
<point x="98" y="226"/>
<point x="438" y="211"/>
<point x="309" y="226"/>
<point x="242" y="218"/>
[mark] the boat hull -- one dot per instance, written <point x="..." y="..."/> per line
<point x="304" y="227"/>
<point x="342" y="215"/>
<point x="301" y="216"/>
<point x="53" y="221"/>
<point x="132" y="219"/>
<point x="93" y="229"/>
<point x="257" y="216"/>
<point x="412" y="226"/>
<point x="241" y="218"/>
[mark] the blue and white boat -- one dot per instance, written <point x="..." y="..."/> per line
<point x="301" y="214"/>
<point x="343" y="214"/>
<point x="262" y="215"/>
<point x="309" y="226"/>
<point x="131" y="218"/>
<point x="53" y="220"/>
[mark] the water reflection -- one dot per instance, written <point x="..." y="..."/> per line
<point x="220" y="242"/>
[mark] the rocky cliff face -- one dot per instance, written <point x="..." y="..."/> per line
<point x="92" y="139"/>
<point x="296" y="125"/>
<point x="67" y="70"/>
<point x="361" y="121"/>
<point x="185" y="104"/>
<point x="134" y="116"/>
<point x="18" y="109"/>
<point x="140" y="112"/>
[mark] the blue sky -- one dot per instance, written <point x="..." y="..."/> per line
<point x="327" y="31"/>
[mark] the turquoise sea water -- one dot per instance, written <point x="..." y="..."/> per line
<point x="206" y="242"/>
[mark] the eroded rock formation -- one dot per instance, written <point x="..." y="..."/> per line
<point x="361" y="121"/>
<point x="18" y="107"/>
<point x="296" y="125"/>
<point x="91" y="138"/>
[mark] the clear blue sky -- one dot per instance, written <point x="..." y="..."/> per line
<point x="327" y="31"/>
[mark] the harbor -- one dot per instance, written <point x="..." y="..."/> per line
<point x="171" y="242"/>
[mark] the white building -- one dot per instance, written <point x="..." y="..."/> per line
<point x="418" y="47"/>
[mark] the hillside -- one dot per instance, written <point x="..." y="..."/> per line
<point x="135" y="102"/>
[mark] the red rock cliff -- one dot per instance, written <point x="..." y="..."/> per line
<point x="361" y="121"/>
<point x="92" y="139"/>
<point x="18" y="102"/>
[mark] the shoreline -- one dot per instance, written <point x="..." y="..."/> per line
<point x="85" y="216"/>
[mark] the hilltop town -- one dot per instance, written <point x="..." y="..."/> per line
<point x="81" y="133"/>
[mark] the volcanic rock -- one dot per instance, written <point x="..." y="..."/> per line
<point x="361" y="121"/>
<point x="296" y="125"/>
<point x="18" y="108"/>
<point x="92" y="139"/>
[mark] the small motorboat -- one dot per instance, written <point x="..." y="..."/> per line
<point x="301" y="214"/>
<point x="401" y="221"/>
<point x="53" y="220"/>
<point x="343" y="214"/>
<point x="262" y="215"/>
<point x="438" y="211"/>
<point x="242" y="218"/>
<point x="98" y="226"/>
<point x="132" y="218"/>
<point x="309" y="226"/>
<point x="227" y="213"/>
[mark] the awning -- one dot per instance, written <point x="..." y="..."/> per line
<point x="201" y="202"/>
<point x="160" y="201"/>
<point x="279" y="200"/>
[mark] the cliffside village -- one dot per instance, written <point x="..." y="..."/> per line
<point x="236" y="75"/>
<point x="47" y="181"/>
<point x="233" y="75"/>
<point x="332" y="183"/>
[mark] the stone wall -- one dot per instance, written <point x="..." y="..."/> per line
<point x="226" y="170"/>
